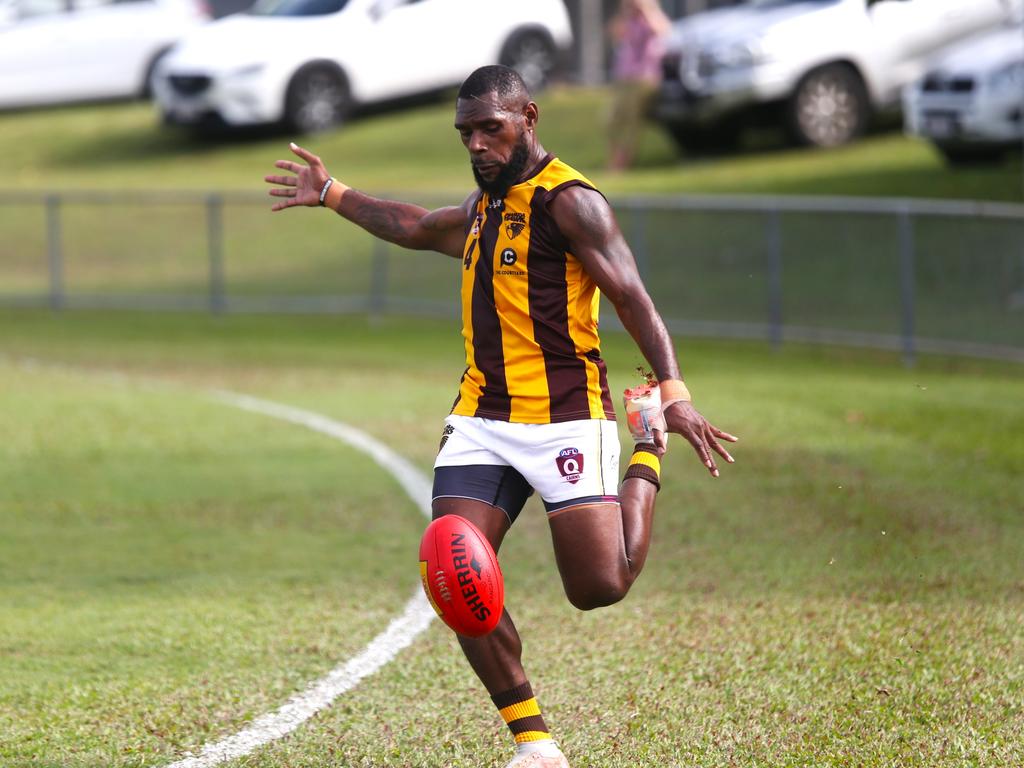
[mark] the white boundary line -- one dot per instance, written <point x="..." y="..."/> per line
<point x="383" y="648"/>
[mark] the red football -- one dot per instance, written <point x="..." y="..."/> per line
<point x="461" y="576"/>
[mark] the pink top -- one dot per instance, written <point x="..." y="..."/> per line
<point x="638" y="55"/>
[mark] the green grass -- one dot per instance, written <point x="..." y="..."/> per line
<point x="417" y="151"/>
<point x="849" y="593"/>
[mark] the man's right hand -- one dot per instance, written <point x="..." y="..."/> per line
<point x="304" y="187"/>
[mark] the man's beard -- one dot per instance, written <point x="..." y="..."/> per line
<point x="510" y="172"/>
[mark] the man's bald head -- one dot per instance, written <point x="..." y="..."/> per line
<point x="504" y="82"/>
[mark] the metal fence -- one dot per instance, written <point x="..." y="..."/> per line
<point x="913" y="276"/>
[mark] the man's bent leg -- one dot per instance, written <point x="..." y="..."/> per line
<point x="601" y="547"/>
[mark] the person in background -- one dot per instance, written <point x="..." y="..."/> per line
<point x="637" y="31"/>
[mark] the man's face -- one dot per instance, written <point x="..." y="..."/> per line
<point x="496" y="137"/>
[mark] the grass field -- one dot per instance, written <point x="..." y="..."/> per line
<point x="417" y="151"/>
<point x="848" y="594"/>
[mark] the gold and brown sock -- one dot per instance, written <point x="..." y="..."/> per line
<point x="519" y="709"/>
<point x="645" y="464"/>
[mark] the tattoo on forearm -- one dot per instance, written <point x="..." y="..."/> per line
<point x="389" y="220"/>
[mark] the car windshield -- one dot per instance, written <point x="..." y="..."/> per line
<point x="296" y="7"/>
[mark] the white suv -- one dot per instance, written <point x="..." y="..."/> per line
<point x="57" y="51"/>
<point x="309" y="62"/>
<point x="971" y="103"/>
<point x="819" y="66"/>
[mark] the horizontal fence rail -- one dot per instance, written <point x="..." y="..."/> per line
<point x="915" y="276"/>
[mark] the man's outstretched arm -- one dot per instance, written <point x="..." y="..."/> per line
<point x="404" y="224"/>
<point x="587" y="221"/>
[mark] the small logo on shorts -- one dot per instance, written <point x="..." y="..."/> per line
<point x="570" y="464"/>
<point x="448" y="430"/>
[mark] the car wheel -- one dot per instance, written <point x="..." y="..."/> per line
<point x="532" y="54"/>
<point x="317" y="100"/>
<point x="829" y="107"/>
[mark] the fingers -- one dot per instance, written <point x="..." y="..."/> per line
<point x="289" y="165"/>
<point x="661" y="441"/>
<point x="717" y="448"/>
<point x="704" y="439"/>
<point x="288" y="181"/>
<point x="282" y="204"/>
<point x="306" y="155"/>
<point x="278" y="192"/>
<point x="722" y="435"/>
<point x="703" y="452"/>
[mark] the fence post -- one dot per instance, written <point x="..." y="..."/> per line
<point x="907" y="286"/>
<point x="54" y="252"/>
<point x="773" y="236"/>
<point x="379" y="279"/>
<point x="215" y="251"/>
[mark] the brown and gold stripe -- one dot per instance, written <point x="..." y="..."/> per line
<point x="521" y="713"/>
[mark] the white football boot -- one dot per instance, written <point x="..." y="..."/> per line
<point x="538" y="754"/>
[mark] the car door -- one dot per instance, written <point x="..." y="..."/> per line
<point x="111" y="44"/>
<point x="31" y="61"/>
<point x="416" y="45"/>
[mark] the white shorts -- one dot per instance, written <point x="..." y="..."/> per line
<point x="569" y="463"/>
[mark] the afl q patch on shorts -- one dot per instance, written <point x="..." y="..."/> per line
<point x="567" y="463"/>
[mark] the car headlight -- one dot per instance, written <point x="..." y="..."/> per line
<point x="1010" y="77"/>
<point x="738" y="55"/>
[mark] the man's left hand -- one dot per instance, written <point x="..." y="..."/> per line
<point x="683" y="419"/>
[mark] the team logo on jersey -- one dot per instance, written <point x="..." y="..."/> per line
<point x="515" y="223"/>
<point x="570" y="464"/>
<point x="448" y="430"/>
<point x="509" y="257"/>
<point x="498" y="202"/>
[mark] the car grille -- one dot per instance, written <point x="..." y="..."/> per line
<point x="706" y="65"/>
<point x="190" y="85"/>
<point x="940" y="84"/>
<point x="670" y="64"/>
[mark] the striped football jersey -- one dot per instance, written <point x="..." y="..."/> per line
<point x="529" y="311"/>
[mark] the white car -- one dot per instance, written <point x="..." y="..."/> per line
<point x="57" y="51"/>
<point x="971" y="103"/>
<point x="309" y="62"/>
<point x="820" y="67"/>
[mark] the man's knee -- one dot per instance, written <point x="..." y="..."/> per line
<point x="600" y="594"/>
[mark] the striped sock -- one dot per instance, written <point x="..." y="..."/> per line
<point x="645" y="464"/>
<point x="519" y="709"/>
